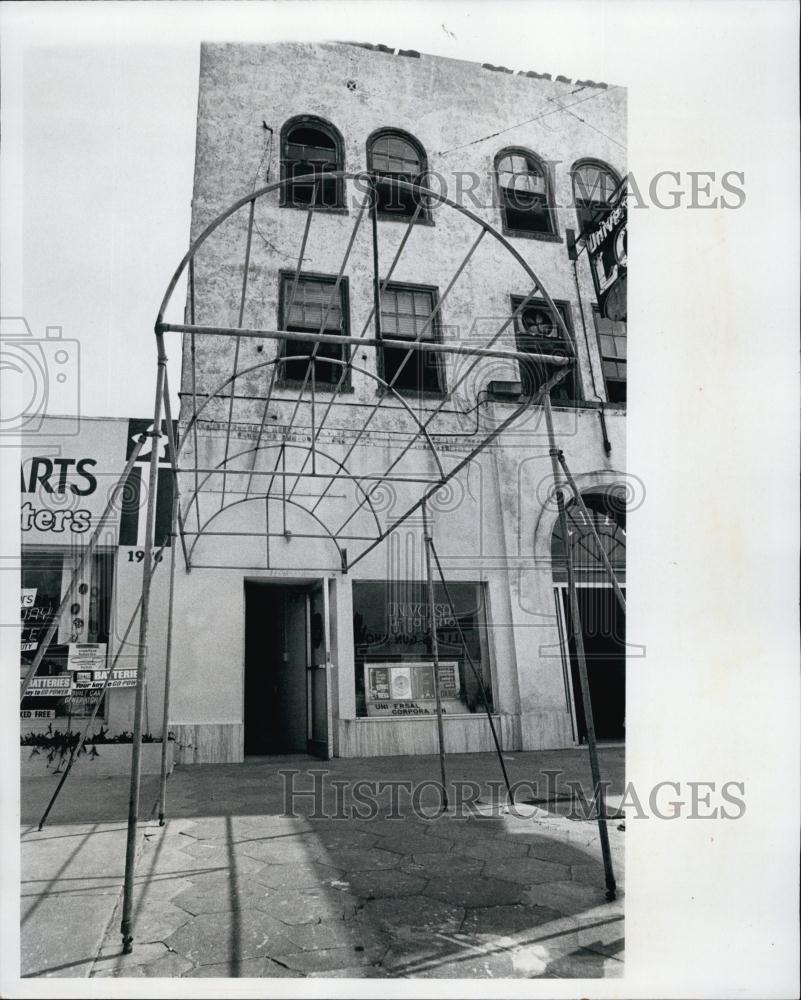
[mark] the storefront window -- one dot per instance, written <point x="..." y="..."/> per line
<point x="392" y="640"/>
<point x="65" y="685"/>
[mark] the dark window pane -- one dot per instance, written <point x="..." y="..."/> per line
<point x="406" y="315"/>
<point x="593" y="187"/>
<point x="310" y="152"/>
<point x="315" y="307"/>
<point x="612" y="347"/>
<point x="524" y="195"/>
<point x="538" y="333"/>
<point x="616" y="391"/>
<point x="421" y="371"/>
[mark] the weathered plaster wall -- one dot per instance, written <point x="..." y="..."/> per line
<point x="492" y="527"/>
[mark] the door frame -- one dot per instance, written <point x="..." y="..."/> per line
<point x="560" y="597"/>
<point x="304" y="585"/>
<point x="319" y="748"/>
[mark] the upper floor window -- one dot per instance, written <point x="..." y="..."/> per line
<point x="612" y="346"/>
<point x="314" y="308"/>
<point x="311" y="148"/>
<point x="537" y="332"/>
<point x="395" y="155"/>
<point x="525" y="194"/>
<point x="594" y="183"/>
<point x="407" y="313"/>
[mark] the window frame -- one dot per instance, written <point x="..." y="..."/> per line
<point x="282" y="381"/>
<point x="599" y="165"/>
<point x="424" y="218"/>
<point x="596" y="315"/>
<point x="436" y="330"/>
<point x="70" y="559"/>
<point x="312" y="121"/>
<point x="553" y="236"/>
<point x="565" y="312"/>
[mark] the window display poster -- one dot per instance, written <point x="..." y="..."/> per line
<point x="398" y="689"/>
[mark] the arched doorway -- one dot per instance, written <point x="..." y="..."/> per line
<point x="603" y="622"/>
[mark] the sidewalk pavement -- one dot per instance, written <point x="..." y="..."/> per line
<point x="231" y="887"/>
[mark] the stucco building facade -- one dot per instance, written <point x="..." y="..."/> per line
<point x="297" y="626"/>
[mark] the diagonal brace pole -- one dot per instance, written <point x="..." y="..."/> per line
<point x="578" y="639"/>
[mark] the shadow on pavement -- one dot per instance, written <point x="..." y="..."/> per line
<point x="233" y="887"/>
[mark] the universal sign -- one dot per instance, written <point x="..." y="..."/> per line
<point x="608" y="254"/>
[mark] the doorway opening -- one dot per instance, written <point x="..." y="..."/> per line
<point x="603" y="625"/>
<point x="287" y="656"/>
<point x="603" y="621"/>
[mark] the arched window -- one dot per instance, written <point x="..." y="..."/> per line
<point x="310" y="148"/>
<point x="594" y="183"/>
<point x="526" y="198"/>
<point x="607" y="510"/>
<point x="395" y="155"/>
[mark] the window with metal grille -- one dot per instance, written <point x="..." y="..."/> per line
<point x="594" y="184"/>
<point x="537" y="332"/>
<point x="314" y="307"/>
<point x="394" y="155"/>
<point x="612" y="347"/>
<point x="524" y="187"/>
<point x="407" y="313"/>
<point x="311" y="148"/>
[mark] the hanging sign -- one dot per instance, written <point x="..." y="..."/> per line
<point x="95" y="680"/>
<point x="58" y="686"/>
<point x="407" y="689"/>
<point x="608" y="254"/>
<point x="86" y="656"/>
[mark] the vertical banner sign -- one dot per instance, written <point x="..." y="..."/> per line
<point x="608" y="253"/>
<point x="132" y="522"/>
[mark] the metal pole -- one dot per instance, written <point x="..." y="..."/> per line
<point x="165" y="719"/>
<point x="601" y="551"/>
<point x="578" y="639"/>
<point x="126" y="926"/>
<point x="435" y="653"/>
<point x="477" y="676"/>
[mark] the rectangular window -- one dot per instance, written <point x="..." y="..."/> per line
<point x="612" y="346"/>
<point x="314" y="308"/>
<point x="392" y="641"/>
<point x="58" y="692"/>
<point x="536" y="332"/>
<point x="407" y="313"/>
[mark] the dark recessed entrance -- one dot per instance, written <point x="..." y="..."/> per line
<point x="286" y="698"/>
<point x="603" y="626"/>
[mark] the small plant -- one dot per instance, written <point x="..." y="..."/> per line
<point x="58" y="746"/>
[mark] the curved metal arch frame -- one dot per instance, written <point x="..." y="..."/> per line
<point x="333" y="361"/>
<point x="369" y="180"/>
<point x="162" y="406"/>
<point x="294" y="503"/>
<point x="261" y="496"/>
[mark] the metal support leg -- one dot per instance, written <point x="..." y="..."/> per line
<point x="578" y="638"/>
<point x="479" y="680"/>
<point x="165" y="719"/>
<point x="126" y="927"/>
<point x="435" y="653"/>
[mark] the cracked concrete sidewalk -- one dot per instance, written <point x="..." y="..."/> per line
<point x="230" y="887"/>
